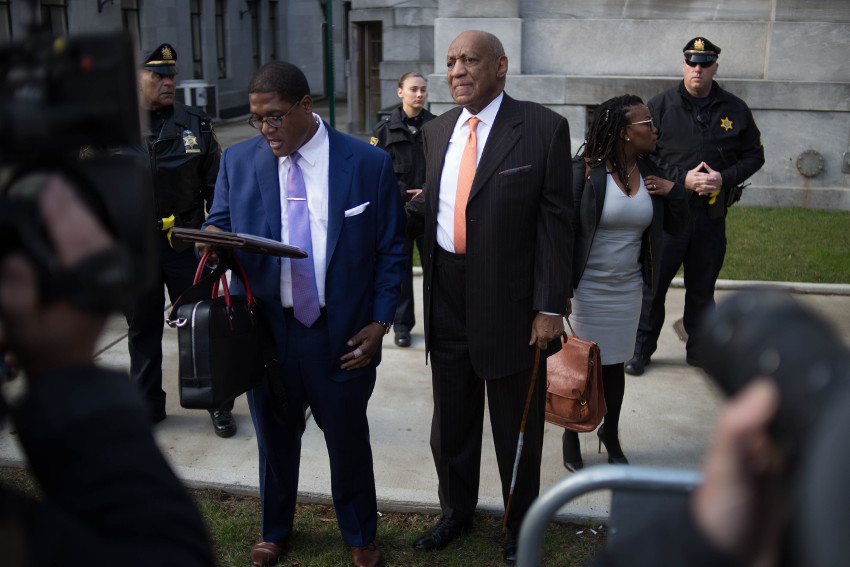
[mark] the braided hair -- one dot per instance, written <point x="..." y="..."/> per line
<point x="600" y="145"/>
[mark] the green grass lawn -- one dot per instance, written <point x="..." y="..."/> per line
<point x="233" y="522"/>
<point x="788" y="244"/>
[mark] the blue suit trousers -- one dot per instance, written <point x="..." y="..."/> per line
<point x="339" y="410"/>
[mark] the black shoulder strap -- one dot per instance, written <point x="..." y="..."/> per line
<point x="199" y="290"/>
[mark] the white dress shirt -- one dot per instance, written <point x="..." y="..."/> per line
<point x="451" y="167"/>
<point x="315" y="163"/>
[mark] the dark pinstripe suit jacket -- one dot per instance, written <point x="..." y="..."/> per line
<point x="519" y="235"/>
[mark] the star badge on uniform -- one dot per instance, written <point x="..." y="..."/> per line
<point x="191" y="142"/>
<point x="726" y="124"/>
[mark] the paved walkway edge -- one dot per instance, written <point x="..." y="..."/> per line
<point x="793" y="287"/>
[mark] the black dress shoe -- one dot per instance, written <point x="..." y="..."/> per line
<point x="402" y="338"/>
<point x="510" y="550"/>
<point x="443" y="533"/>
<point x="636" y="365"/>
<point x="156" y="416"/>
<point x="223" y="423"/>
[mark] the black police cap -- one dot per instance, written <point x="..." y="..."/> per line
<point x="700" y="50"/>
<point x="162" y="60"/>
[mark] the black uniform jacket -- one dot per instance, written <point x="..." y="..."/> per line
<point x="725" y="137"/>
<point x="670" y="213"/>
<point x="183" y="162"/>
<point x="405" y="149"/>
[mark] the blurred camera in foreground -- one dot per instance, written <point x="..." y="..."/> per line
<point x="768" y="333"/>
<point x="60" y="96"/>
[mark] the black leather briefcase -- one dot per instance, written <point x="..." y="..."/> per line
<point x="225" y="343"/>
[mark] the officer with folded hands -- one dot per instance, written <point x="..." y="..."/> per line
<point x="709" y="142"/>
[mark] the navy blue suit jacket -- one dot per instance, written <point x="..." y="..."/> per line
<point x="365" y="250"/>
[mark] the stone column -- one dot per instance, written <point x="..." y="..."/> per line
<point x="499" y="17"/>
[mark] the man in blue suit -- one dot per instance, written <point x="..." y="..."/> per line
<point x="328" y="330"/>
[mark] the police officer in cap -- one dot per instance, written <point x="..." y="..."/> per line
<point x="709" y="142"/>
<point x="183" y="153"/>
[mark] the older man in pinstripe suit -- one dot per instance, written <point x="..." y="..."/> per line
<point x="495" y="212"/>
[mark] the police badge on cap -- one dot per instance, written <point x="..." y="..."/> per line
<point x="700" y="50"/>
<point x="162" y="60"/>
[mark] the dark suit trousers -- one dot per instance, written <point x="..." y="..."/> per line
<point x="176" y="273"/>
<point x="339" y="409"/>
<point x="405" y="316"/>
<point x="457" y="424"/>
<point x="701" y="248"/>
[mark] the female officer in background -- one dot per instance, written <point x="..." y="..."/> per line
<point x="400" y="134"/>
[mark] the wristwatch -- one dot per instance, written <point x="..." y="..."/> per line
<point x="386" y="325"/>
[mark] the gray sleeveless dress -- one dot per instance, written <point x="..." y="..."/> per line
<point x="606" y="305"/>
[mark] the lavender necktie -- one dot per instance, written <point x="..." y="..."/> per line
<point x="305" y="298"/>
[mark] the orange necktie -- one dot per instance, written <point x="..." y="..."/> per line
<point x="464" y="184"/>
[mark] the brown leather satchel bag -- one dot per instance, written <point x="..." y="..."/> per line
<point x="574" y="396"/>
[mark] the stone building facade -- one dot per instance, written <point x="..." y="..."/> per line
<point x="220" y="43"/>
<point x="387" y="39"/>
<point x="786" y="58"/>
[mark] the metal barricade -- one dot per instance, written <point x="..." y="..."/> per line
<point x="636" y="492"/>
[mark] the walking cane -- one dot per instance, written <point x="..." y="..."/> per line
<point x="521" y="434"/>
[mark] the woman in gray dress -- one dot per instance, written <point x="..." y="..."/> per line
<point x="621" y="208"/>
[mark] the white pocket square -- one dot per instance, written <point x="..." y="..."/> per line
<point x="354" y="211"/>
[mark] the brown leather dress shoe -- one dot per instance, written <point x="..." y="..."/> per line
<point x="266" y="553"/>
<point x="366" y="555"/>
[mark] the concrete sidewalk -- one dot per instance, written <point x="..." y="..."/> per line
<point x="667" y="418"/>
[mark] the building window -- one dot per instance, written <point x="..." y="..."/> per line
<point x="272" y="30"/>
<point x="54" y="16"/>
<point x="5" y="21"/>
<point x="130" y="19"/>
<point x="255" y="35"/>
<point x="220" y="43"/>
<point x="346" y="9"/>
<point x="197" y="49"/>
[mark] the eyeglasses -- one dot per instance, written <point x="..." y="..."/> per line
<point x="703" y="64"/>
<point x="651" y="123"/>
<point x="274" y="121"/>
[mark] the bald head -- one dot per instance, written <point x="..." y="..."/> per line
<point x="476" y="69"/>
<point x="488" y="40"/>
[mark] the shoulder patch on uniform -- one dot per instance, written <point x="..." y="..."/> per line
<point x="373" y="140"/>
